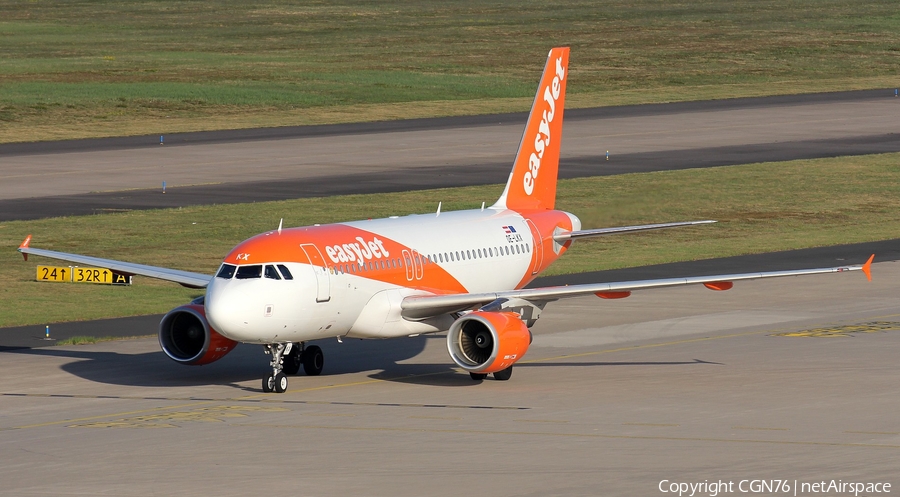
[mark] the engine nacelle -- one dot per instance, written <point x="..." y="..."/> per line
<point x="487" y="342"/>
<point x="185" y="336"/>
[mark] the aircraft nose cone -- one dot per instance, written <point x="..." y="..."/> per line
<point x="227" y="310"/>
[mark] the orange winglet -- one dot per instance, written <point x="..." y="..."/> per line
<point x="613" y="295"/>
<point x="867" y="267"/>
<point x="25" y="245"/>
<point x="719" y="285"/>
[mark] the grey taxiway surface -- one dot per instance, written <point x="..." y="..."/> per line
<point x="788" y="379"/>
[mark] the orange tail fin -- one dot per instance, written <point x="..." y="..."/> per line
<point x="532" y="182"/>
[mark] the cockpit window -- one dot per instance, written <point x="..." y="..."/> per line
<point x="271" y="273"/>
<point x="249" y="272"/>
<point x="226" y="271"/>
<point x="284" y="272"/>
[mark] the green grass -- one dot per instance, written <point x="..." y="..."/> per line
<point x="761" y="208"/>
<point x="88" y="340"/>
<point x="100" y="68"/>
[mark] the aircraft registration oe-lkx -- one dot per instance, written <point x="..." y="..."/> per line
<point x="462" y="271"/>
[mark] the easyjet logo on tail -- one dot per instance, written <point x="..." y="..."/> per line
<point x="532" y="182"/>
<point x="542" y="137"/>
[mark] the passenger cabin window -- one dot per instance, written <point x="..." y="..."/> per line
<point x="249" y="272"/>
<point x="271" y="273"/>
<point x="285" y="272"/>
<point x="226" y="271"/>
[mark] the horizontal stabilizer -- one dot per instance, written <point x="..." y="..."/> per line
<point x="574" y="235"/>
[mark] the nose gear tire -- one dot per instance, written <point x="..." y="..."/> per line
<point x="268" y="383"/>
<point x="280" y="382"/>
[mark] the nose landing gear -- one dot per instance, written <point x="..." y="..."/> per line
<point x="287" y="359"/>
<point x="276" y="381"/>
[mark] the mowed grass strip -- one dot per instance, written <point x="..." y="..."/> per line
<point x="77" y="69"/>
<point x="760" y="208"/>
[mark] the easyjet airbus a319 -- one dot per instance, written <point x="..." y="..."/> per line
<point x="462" y="271"/>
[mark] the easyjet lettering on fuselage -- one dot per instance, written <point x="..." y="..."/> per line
<point x="542" y="138"/>
<point x="358" y="251"/>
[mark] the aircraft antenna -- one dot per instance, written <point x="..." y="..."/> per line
<point x="438" y="213"/>
<point x="279" y="225"/>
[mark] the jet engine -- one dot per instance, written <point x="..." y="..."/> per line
<point x="186" y="337"/>
<point x="486" y="342"/>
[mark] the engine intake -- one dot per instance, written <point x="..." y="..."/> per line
<point x="487" y="342"/>
<point x="186" y="337"/>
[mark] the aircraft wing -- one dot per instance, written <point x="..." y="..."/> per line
<point x="425" y="306"/>
<point x="574" y="235"/>
<point x="184" y="278"/>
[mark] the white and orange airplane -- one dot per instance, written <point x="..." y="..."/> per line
<point x="462" y="271"/>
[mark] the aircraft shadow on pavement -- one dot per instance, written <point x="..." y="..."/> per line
<point x="384" y="358"/>
<point x="245" y="363"/>
<point x="449" y="375"/>
<point x="150" y="369"/>
<point x="438" y="375"/>
<point x="623" y="363"/>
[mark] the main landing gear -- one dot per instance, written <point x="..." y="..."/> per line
<point x="502" y="375"/>
<point x="287" y="359"/>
